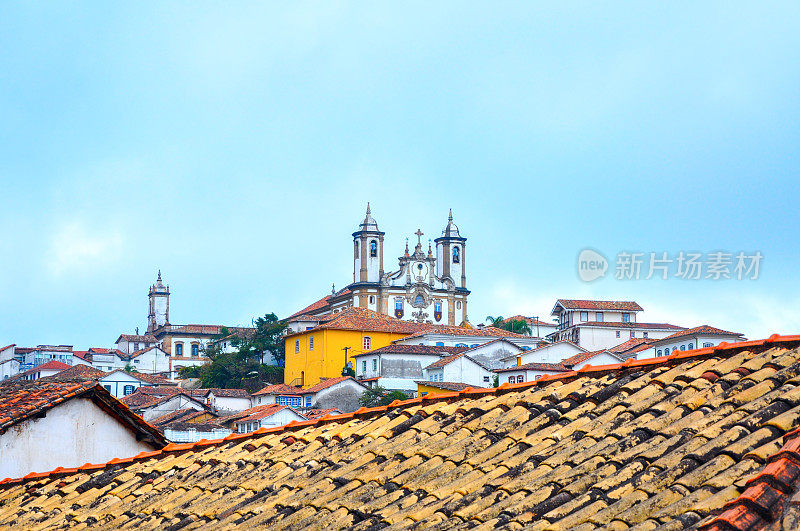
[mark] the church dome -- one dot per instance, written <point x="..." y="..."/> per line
<point x="369" y="223"/>
<point x="451" y="230"/>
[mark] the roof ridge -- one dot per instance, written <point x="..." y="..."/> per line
<point x="363" y="413"/>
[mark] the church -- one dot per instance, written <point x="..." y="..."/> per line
<point x="427" y="287"/>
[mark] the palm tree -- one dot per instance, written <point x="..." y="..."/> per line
<point x="497" y="322"/>
<point x="518" y="326"/>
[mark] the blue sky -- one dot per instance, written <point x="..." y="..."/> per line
<point x="235" y="145"/>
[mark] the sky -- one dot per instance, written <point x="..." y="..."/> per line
<point x="234" y="146"/>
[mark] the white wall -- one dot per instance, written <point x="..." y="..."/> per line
<point x="553" y="353"/>
<point x="191" y="435"/>
<point x="602" y="358"/>
<point x="8" y="369"/>
<point x="223" y="403"/>
<point x="601" y="338"/>
<point x="686" y="343"/>
<point x="71" y="434"/>
<point x="281" y="418"/>
<point x="116" y="381"/>
<point x="152" y="361"/>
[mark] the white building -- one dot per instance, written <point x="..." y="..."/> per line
<point x="9" y="364"/>
<point x="66" y="424"/>
<point x="452" y="336"/>
<point x="267" y="417"/>
<point x="128" y="343"/>
<point x="528" y="372"/>
<point x="281" y="394"/>
<point x="228" y="400"/>
<point x="149" y="360"/>
<point x="596" y="325"/>
<point x="341" y="393"/>
<point x="459" y="368"/>
<point x="44" y="370"/>
<point x="703" y="336"/>
<point x="120" y="383"/>
<point x="550" y="353"/>
<point x="397" y="367"/>
<point x="598" y="357"/>
<point x="153" y="402"/>
<point x="32" y="357"/>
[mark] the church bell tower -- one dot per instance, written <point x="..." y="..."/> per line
<point x="450" y="254"/>
<point x="368" y="251"/>
<point x="159" y="305"/>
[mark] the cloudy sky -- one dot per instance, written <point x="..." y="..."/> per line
<point x="235" y="145"/>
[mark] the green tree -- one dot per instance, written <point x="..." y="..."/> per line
<point x="130" y="368"/>
<point x="497" y="322"/>
<point x="496" y="381"/>
<point x="518" y="326"/>
<point x="267" y="339"/>
<point x="348" y="371"/>
<point x="378" y="396"/>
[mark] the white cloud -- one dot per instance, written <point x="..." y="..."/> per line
<point x="76" y="249"/>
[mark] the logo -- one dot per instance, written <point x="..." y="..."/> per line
<point x="591" y="265"/>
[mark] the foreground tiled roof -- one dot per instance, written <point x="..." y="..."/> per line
<point x="692" y="439"/>
<point x="702" y="330"/>
<point x="24" y="399"/>
<point x="576" y="304"/>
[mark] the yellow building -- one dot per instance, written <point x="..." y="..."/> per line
<point x="323" y="351"/>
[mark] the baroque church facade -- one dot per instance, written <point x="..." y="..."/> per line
<point x="428" y="286"/>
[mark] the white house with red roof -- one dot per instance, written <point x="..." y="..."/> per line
<point x="528" y="372"/>
<point x="269" y="416"/>
<point x="702" y="336"/>
<point x="396" y="367"/>
<point x="595" y="358"/>
<point x="459" y="368"/>
<point x="596" y="325"/>
<point x="550" y="353"/>
<point x="228" y="400"/>
<point x="281" y="394"/>
<point x="44" y="370"/>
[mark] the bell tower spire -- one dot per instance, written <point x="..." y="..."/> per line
<point x="159" y="305"/>
<point x="368" y="250"/>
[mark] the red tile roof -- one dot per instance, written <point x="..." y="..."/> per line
<point x="579" y="304"/>
<point x="52" y="365"/>
<point x="327" y="382"/>
<point x="702" y="330"/>
<point x="635" y="344"/>
<point x="133" y="338"/>
<point x="530" y="320"/>
<point x="486" y="331"/>
<point x="414" y="349"/>
<point x="82" y="354"/>
<point x="558" y="367"/>
<point x="278" y="389"/>
<point x="228" y="393"/>
<point x="318" y="305"/>
<point x="314" y="414"/>
<point x="23" y="399"/>
<point x="583" y="356"/>
<point x="447" y="386"/>
<point x="648" y="326"/>
<point x="447" y="360"/>
<point x="261" y="412"/>
<point x="79" y="371"/>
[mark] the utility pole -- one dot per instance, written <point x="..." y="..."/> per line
<point x="345" y="358"/>
<point x="537" y="325"/>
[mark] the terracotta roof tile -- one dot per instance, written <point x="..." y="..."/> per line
<point x="278" y="389"/>
<point x="536" y="367"/>
<point x="447" y="386"/>
<point x="414" y="349"/>
<point x="52" y="365"/>
<point x="675" y="442"/>
<point x="704" y="330"/>
<point x="578" y="304"/>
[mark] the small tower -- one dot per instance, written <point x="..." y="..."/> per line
<point x="368" y="251"/>
<point x="450" y="254"/>
<point x="159" y="305"/>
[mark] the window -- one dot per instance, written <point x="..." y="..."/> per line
<point x="644" y="334"/>
<point x="633" y="334"/>
<point x="293" y="401"/>
<point x="461" y="344"/>
<point x="195" y="350"/>
<point x="373" y="248"/>
<point x="308" y="401"/>
<point x="618" y="333"/>
<point x="108" y="388"/>
<point x="683" y="347"/>
<point x="127" y="390"/>
<point x="439" y="344"/>
<point x="136" y="361"/>
<point x="512" y="379"/>
<point x="179" y="349"/>
<point x="364" y="367"/>
<point x="537" y="376"/>
<point x="432" y="377"/>
<point x="367" y="343"/>
<point x="706" y="345"/>
<point x="520" y="378"/>
<point x="297" y="345"/>
<point x="658" y="352"/>
<point x="135" y="346"/>
<point x="584" y="316"/>
<point x="374" y="364"/>
<point x="458" y="305"/>
<point x="626" y="317"/>
<point x="486" y="379"/>
<point x="598" y="316"/>
<point x="674" y="349"/>
<point x="311" y="343"/>
<point x="456" y="255"/>
<point x="372" y="299"/>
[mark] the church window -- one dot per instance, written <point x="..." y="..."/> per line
<point x="356" y="248"/>
<point x="179" y="349"/>
<point x="297" y="345"/>
<point x="367" y="343"/>
<point x="372" y="299"/>
<point x="311" y="343"/>
<point x="195" y="350"/>
<point x="373" y="248"/>
<point x="458" y="305"/>
<point x="456" y="255"/>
